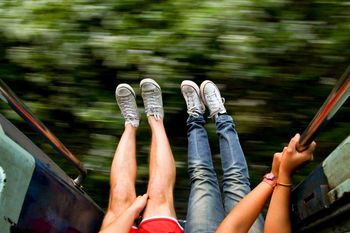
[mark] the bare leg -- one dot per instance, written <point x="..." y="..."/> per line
<point x="123" y="176"/>
<point x="162" y="173"/>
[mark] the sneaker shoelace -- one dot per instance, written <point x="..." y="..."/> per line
<point x="215" y="104"/>
<point x="191" y="103"/>
<point x="152" y="104"/>
<point x="129" y="111"/>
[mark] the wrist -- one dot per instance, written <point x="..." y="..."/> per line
<point x="285" y="177"/>
<point x="270" y="179"/>
<point x="132" y="212"/>
<point x="274" y="173"/>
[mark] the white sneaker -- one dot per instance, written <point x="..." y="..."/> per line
<point x="190" y="91"/>
<point x="126" y="100"/>
<point x="152" y="98"/>
<point x="212" y="99"/>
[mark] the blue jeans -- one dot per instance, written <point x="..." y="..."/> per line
<point x="206" y="209"/>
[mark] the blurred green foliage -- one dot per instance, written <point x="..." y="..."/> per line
<point x="275" y="62"/>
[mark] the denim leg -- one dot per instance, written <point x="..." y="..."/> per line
<point x="205" y="210"/>
<point x="234" y="166"/>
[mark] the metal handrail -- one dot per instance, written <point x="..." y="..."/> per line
<point x="22" y="110"/>
<point x="335" y="100"/>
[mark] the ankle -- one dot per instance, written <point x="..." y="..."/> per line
<point x="222" y="114"/>
<point x="152" y="120"/>
<point x="130" y="128"/>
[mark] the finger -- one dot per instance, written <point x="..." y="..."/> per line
<point x="140" y="203"/>
<point x="311" y="147"/>
<point x="307" y="157"/>
<point x="284" y="150"/>
<point x="312" y="157"/>
<point x="144" y="198"/>
<point x="293" y="142"/>
<point x="277" y="158"/>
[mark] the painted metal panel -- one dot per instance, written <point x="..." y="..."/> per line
<point x="322" y="201"/>
<point x="2" y="180"/>
<point x="340" y="191"/>
<point x="3" y="98"/>
<point x="25" y="143"/>
<point x="17" y="167"/>
<point x="336" y="168"/>
<point x="52" y="203"/>
<point x="310" y="196"/>
<point x="55" y="206"/>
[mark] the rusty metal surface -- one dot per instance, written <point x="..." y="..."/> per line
<point x="340" y="191"/>
<point x="310" y="196"/>
<point x="330" y="221"/>
<point x="321" y="203"/>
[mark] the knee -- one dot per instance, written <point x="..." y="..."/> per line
<point x="236" y="178"/>
<point x="160" y="192"/>
<point x="123" y="193"/>
<point x="201" y="173"/>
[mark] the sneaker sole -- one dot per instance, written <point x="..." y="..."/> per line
<point x="203" y="87"/>
<point x="149" y="80"/>
<point x="127" y="86"/>
<point x="190" y="84"/>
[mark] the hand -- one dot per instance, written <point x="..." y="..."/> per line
<point x="276" y="163"/>
<point x="292" y="159"/>
<point x="139" y="204"/>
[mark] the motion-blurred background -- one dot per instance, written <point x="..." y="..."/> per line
<point x="275" y="62"/>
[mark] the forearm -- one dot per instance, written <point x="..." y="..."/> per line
<point x="242" y="217"/>
<point x="122" y="225"/>
<point x="278" y="215"/>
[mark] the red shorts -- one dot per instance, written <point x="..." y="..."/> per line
<point x="158" y="225"/>
<point x="133" y="230"/>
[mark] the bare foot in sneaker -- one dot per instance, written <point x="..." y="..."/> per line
<point x="152" y="98"/>
<point x="212" y="99"/>
<point x="190" y="92"/>
<point x="126" y="100"/>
